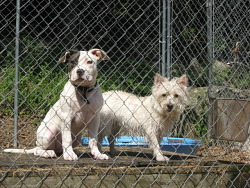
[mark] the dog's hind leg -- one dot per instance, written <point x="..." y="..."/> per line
<point x="111" y="139"/>
<point x="46" y="141"/>
<point x="44" y="153"/>
<point x="93" y="127"/>
<point x="43" y="148"/>
<point x="99" y="143"/>
<point x="114" y="131"/>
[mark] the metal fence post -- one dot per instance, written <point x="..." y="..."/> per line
<point x="163" y="66"/>
<point x="210" y="53"/>
<point x="16" y="72"/>
<point x="169" y="39"/>
<point x="210" y="37"/>
<point x="166" y="39"/>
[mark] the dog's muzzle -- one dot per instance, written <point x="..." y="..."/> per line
<point x="80" y="72"/>
<point x="170" y="107"/>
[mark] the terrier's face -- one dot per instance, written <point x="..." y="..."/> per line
<point x="170" y="95"/>
<point x="82" y="65"/>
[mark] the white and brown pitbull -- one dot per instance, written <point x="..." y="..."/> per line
<point x="78" y="107"/>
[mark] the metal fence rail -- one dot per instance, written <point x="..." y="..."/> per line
<point x="206" y="40"/>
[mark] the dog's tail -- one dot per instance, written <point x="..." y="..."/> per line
<point x="23" y="151"/>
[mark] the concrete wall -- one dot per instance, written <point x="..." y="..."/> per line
<point x="222" y="176"/>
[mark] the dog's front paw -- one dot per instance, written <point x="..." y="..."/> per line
<point x="98" y="155"/>
<point x="70" y="156"/>
<point x="162" y="158"/>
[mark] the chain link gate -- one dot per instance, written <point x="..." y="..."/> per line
<point x="229" y="90"/>
<point x="206" y="40"/>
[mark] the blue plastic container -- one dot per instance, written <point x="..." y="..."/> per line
<point x="178" y="145"/>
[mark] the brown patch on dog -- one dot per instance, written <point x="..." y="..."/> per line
<point x="99" y="54"/>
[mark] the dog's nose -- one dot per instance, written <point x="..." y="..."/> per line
<point x="170" y="107"/>
<point x="80" y="72"/>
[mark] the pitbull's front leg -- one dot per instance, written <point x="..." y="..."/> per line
<point x="93" y="127"/>
<point x="67" y="116"/>
<point x="68" y="153"/>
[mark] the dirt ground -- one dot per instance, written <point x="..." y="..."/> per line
<point x="221" y="153"/>
<point x="26" y="130"/>
<point x="27" y="137"/>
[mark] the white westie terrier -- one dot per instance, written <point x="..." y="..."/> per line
<point x="152" y="116"/>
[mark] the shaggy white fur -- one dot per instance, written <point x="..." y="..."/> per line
<point x="151" y="116"/>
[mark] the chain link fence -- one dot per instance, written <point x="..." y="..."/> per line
<point x="209" y="146"/>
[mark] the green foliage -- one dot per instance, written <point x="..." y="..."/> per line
<point x="234" y="77"/>
<point x="37" y="92"/>
<point x="194" y="121"/>
<point x="197" y="73"/>
<point x="39" y="85"/>
<point x="189" y="33"/>
<point x="201" y="115"/>
<point x="200" y="120"/>
<point x="133" y="77"/>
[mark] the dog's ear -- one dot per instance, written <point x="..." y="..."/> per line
<point x="100" y="54"/>
<point x="65" y="55"/>
<point x="183" y="80"/>
<point x="158" y="79"/>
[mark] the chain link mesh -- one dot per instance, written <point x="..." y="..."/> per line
<point x="216" y="63"/>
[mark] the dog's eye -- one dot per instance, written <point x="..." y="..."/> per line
<point x="89" y="62"/>
<point x="164" y="95"/>
<point x="176" y="95"/>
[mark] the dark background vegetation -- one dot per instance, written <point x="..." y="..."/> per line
<point x="128" y="31"/>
